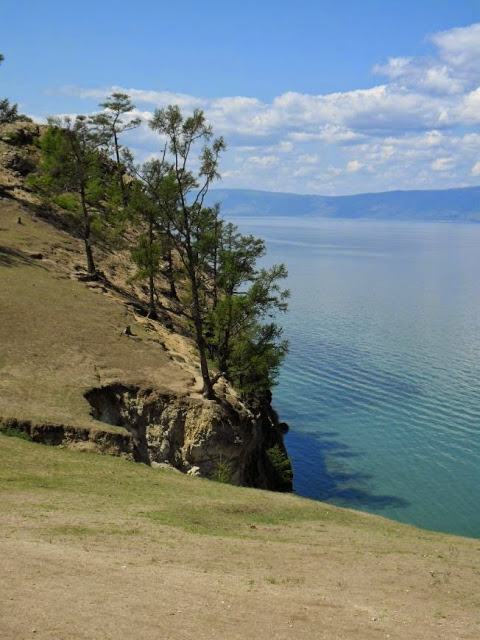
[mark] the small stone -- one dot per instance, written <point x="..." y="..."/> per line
<point x="194" y="471"/>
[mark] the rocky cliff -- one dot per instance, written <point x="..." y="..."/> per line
<point x="72" y="375"/>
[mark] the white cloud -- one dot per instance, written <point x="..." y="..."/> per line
<point x="417" y="130"/>
<point x="468" y="110"/>
<point x="460" y="47"/>
<point x="475" y="169"/>
<point x="454" y="69"/>
<point x="424" y="74"/>
<point x="394" y="68"/>
<point x="442" y="164"/>
<point x="353" y="166"/>
<point x="308" y="158"/>
<point x="263" y="161"/>
<point x="335" y="117"/>
<point x="303" y="172"/>
<point x="334" y="171"/>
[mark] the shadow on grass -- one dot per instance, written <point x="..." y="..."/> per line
<point x="13" y="258"/>
<point x="332" y="483"/>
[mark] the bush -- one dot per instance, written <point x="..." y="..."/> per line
<point x="67" y="201"/>
<point x="223" y="472"/>
<point x="8" y="111"/>
<point x="281" y="464"/>
<point x="13" y="432"/>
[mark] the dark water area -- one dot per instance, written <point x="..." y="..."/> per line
<point x="381" y="387"/>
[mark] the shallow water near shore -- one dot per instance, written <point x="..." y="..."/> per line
<point x="381" y="387"/>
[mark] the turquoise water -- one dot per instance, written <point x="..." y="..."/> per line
<point x="382" y="384"/>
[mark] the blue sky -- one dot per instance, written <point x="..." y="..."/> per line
<point x="331" y="97"/>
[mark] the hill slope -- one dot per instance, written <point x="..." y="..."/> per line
<point x="461" y="205"/>
<point x="96" y="547"/>
<point x="70" y="374"/>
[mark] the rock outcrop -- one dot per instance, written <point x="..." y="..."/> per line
<point x="196" y="434"/>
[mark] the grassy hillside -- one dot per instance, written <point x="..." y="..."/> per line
<point x="62" y="337"/>
<point x="99" y="547"/>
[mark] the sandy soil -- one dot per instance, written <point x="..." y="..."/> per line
<point x="138" y="580"/>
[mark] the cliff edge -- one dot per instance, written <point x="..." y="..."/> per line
<point x="82" y="365"/>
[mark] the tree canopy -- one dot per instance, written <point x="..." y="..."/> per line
<point x="231" y="301"/>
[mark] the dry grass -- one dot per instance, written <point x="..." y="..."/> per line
<point x="61" y="337"/>
<point x="97" y="547"/>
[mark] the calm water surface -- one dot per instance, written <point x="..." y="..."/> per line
<point x="382" y="384"/>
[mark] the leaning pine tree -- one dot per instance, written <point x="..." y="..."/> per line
<point x="233" y="302"/>
<point x="182" y="204"/>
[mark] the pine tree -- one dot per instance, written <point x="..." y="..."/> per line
<point x="247" y="347"/>
<point x="110" y="125"/>
<point x="71" y="163"/>
<point x="188" y="220"/>
<point x="233" y="302"/>
<point x="147" y="213"/>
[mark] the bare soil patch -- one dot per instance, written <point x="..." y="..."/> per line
<point x="97" y="547"/>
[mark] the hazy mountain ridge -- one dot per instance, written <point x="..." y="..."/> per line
<point x="459" y="205"/>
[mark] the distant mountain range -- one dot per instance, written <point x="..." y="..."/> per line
<point x="461" y="205"/>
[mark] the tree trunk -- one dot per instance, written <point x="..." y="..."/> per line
<point x="197" y="320"/>
<point x="120" y="176"/>
<point x="170" y="275"/>
<point x="224" y="348"/>
<point x="86" y="234"/>
<point x="215" y="265"/>
<point x="152" y="311"/>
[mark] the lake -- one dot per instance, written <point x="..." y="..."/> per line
<point x="381" y="387"/>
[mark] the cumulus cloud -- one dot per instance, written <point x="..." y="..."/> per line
<point x="337" y="117"/>
<point x="262" y="161"/>
<point x="454" y="69"/>
<point x="425" y="74"/>
<point x="460" y="47"/>
<point x="415" y="130"/>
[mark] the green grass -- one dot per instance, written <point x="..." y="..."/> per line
<point x="82" y="485"/>
<point x="12" y="432"/>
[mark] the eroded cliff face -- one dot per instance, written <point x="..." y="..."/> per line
<point x="195" y="435"/>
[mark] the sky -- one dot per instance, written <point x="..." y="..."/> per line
<point x="317" y="96"/>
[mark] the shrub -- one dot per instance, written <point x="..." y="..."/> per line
<point x="223" y="472"/>
<point x="281" y="464"/>
<point x="13" y="432"/>
<point x="67" y="201"/>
